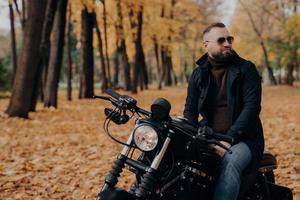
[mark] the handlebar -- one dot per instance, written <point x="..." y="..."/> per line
<point x="113" y="93"/>
<point x="123" y="102"/>
<point x="204" y="134"/>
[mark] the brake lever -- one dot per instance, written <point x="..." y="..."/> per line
<point x="216" y="142"/>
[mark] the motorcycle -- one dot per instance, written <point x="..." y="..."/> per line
<point x="176" y="160"/>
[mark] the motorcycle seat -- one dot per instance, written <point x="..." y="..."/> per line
<point x="268" y="162"/>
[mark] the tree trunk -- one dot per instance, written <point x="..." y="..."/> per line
<point x="24" y="13"/>
<point x="116" y="71"/>
<point x="116" y="60"/>
<point x="140" y="49"/>
<point x="86" y="89"/>
<point x="271" y="77"/>
<point x="168" y="67"/>
<point x="162" y="55"/>
<point x="125" y="61"/>
<point x="163" y="64"/>
<point x="156" y="50"/>
<point x="70" y="62"/>
<point x="259" y="34"/>
<point x="140" y="71"/>
<point x="20" y="100"/>
<point x="279" y="76"/>
<point x="167" y="53"/>
<point x="56" y="55"/>
<point x="289" y="75"/>
<point x="44" y="48"/>
<point x="13" y="42"/>
<point x="106" y="44"/>
<point x="22" y="20"/>
<point x="102" y="60"/>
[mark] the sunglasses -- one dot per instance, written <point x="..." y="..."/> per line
<point x="222" y="40"/>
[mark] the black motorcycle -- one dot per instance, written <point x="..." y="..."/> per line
<point x="176" y="160"/>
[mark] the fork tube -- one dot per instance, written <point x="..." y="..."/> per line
<point x="161" y="154"/>
<point x="126" y="149"/>
<point x="150" y="177"/>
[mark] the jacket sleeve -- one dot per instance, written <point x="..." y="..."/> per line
<point x="191" y="104"/>
<point x="251" y="103"/>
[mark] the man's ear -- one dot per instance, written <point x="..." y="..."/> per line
<point x="205" y="44"/>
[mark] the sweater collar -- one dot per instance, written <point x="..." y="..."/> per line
<point x="204" y="64"/>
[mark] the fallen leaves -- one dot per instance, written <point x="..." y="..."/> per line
<point x="64" y="154"/>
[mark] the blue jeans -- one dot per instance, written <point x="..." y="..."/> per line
<point x="232" y="165"/>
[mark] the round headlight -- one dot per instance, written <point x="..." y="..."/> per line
<point x="145" y="137"/>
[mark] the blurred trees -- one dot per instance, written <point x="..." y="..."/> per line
<point x="140" y="43"/>
<point x="269" y="27"/>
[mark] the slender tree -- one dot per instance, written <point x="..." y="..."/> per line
<point x="140" y="71"/>
<point x="166" y="54"/>
<point x="156" y="51"/>
<point x="13" y="40"/>
<point x="43" y="60"/>
<point x="106" y="43"/>
<point x="86" y="89"/>
<point x="69" y="50"/>
<point x="262" y="43"/>
<point x="24" y="13"/>
<point x="56" y="55"/>
<point x="122" y="46"/>
<point x="20" y="100"/>
<point x="21" y="14"/>
<point x="102" y="60"/>
<point x="162" y="55"/>
<point x="116" y="58"/>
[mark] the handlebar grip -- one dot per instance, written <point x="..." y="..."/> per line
<point x="223" y="137"/>
<point x="113" y="93"/>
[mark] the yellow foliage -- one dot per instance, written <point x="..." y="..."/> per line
<point x="184" y="29"/>
<point x="292" y="27"/>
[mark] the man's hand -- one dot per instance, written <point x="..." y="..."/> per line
<point x="219" y="150"/>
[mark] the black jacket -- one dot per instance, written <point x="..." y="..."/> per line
<point x="243" y="100"/>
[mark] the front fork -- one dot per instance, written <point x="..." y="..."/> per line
<point x="149" y="178"/>
<point x="112" y="178"/>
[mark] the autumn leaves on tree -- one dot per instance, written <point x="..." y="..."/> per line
<point x="131" y="44"/>
<point x="119" y="34"/>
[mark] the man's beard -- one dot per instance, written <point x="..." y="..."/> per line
<point x="223" y="57"/>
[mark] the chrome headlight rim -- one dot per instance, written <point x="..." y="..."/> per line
<point x="140" y="135"/>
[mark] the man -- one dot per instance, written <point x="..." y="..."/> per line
<point x="225" y="90"/>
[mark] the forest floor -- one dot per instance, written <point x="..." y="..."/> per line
<point x="64" y="154"/>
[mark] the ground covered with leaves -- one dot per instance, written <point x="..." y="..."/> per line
<point x="64" y="154"/>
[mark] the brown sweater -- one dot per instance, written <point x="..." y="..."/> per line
<point x="217" y="108"/>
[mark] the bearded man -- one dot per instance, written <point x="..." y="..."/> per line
<point x="225" y="90"/>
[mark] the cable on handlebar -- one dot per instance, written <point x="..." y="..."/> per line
<point x="106" y="125"/>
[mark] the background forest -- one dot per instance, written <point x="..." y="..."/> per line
<point x="83" y="45"/>
<point x="56" y="54"/>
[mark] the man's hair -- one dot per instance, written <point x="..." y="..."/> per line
<point x="217" y="24"/>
